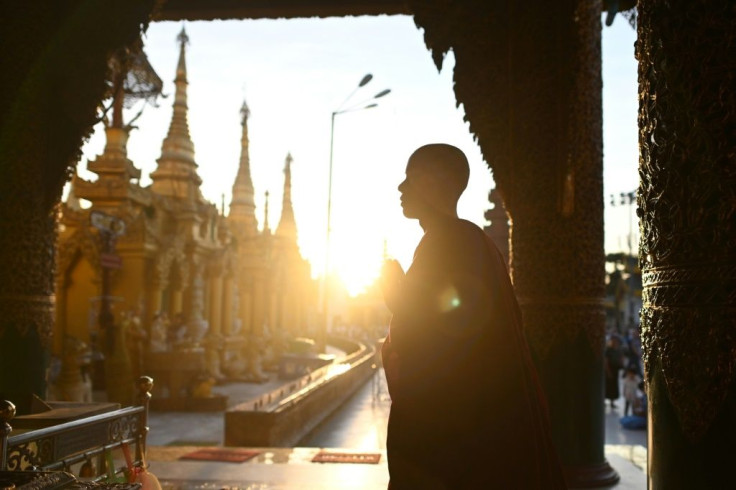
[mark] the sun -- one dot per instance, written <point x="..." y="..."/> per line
<point x="356" y="261"/>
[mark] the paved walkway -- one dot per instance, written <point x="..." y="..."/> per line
<point x="358" y="427"/>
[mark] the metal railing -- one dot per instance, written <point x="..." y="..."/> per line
<point x="60" y="446"/>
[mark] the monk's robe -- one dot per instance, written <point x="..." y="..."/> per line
<point x="467" y="410"/>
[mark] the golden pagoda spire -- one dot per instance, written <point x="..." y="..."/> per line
<point x="287" y="223"/>
<point x="176" y="174"/>
<point x="242" y="206"/>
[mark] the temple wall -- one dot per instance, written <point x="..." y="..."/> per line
<point x="80" y="310"/>
<point x="129" y="282"/>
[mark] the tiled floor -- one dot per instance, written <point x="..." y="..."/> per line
<point x="360" y="426"/>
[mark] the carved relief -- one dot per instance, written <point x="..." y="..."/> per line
<point x="686" y="203"/>
<point x="26" y="313"/>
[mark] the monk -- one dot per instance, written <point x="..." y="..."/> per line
<point x="467" y="411"/>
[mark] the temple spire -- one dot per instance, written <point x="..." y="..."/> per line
<point x="242" y="206"/>
<point x="176" y="174"/>
<point x="287" y="224"/>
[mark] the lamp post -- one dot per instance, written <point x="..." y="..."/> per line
<point x="627" y="199"/>
<point x="364" y="104"/>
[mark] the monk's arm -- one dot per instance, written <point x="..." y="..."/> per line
<point x="444" y="293"/>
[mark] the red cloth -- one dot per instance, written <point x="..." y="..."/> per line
<point x="467" y="408"/>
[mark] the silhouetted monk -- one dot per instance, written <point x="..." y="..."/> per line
<point x="467" y="411"/>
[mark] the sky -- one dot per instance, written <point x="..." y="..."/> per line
<point x="293" y="75"/>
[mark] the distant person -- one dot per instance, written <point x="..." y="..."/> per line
<point x="638" y="419"/>
<point x="467" y="410"/>
<point x="631" y="388"/>
<point x="633" y="350"/>
<point x="613" y="363"/>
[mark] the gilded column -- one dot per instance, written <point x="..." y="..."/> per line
<point x="155" y="299"/>
<point x="216" y="301"/>
<point x="177" y="301"/>
<point x="213" y="341"/>
<point x="61" y="315"/>
<point x="246" y="308"/>
<point x="259" y="305"/>
<point x="227" y="305"/>
<point x="686" y="202"/>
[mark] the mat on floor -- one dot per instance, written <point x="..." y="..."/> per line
<point x="334" y="457"/>
<point x="224" y="455"/>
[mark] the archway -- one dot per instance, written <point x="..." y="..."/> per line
<point x="43" y="62"/>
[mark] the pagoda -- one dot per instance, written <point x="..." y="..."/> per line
<point x="190" y="285"/>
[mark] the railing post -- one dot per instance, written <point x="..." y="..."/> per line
<point x="7" y="412"/>
<point x="145" y="385"/>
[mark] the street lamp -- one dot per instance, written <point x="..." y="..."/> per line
<point x="364" y="104"/>
<point x="627" y="199"/>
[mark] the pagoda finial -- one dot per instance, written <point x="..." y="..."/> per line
<point x="287" y="223"/>
<point x="244" y="112"/>
<point x="181" y="68"/>
<point x="182" y="37"/>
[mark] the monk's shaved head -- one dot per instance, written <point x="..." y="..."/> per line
<point x="447" y="161"/>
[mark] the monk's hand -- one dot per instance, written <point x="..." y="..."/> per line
<point x="392" y="275"/>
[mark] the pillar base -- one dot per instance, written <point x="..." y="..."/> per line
<point x="591" y="476"/>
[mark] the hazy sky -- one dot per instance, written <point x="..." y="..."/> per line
<point x="293" y="74"/>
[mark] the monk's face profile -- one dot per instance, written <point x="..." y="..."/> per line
<point x="436" y="175"/>
<point x="416" y="190"/>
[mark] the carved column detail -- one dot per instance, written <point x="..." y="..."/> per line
<point x="686" y="202"/>
<point x="49" y="97"/>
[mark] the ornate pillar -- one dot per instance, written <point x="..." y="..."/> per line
<point x="216" y="300"/>
<point x="252" y="311"/>
<point x="49" y="96"/>
<point x="61" y="312"/>
<point x="213" y="341"/>
<point x="196" y="324"/>
<point x="177" y="301"/>
<point x="529" y="76"/>
<point x="155" y="299"/>
<point x="227" y="305"/>
<point x="687" y="122"/>
<point x="273" y="317"/>
<point x="259" y="304"/>
<point x="246" y="304"/>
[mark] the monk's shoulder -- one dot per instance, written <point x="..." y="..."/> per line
<point x="456" y="242"/>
